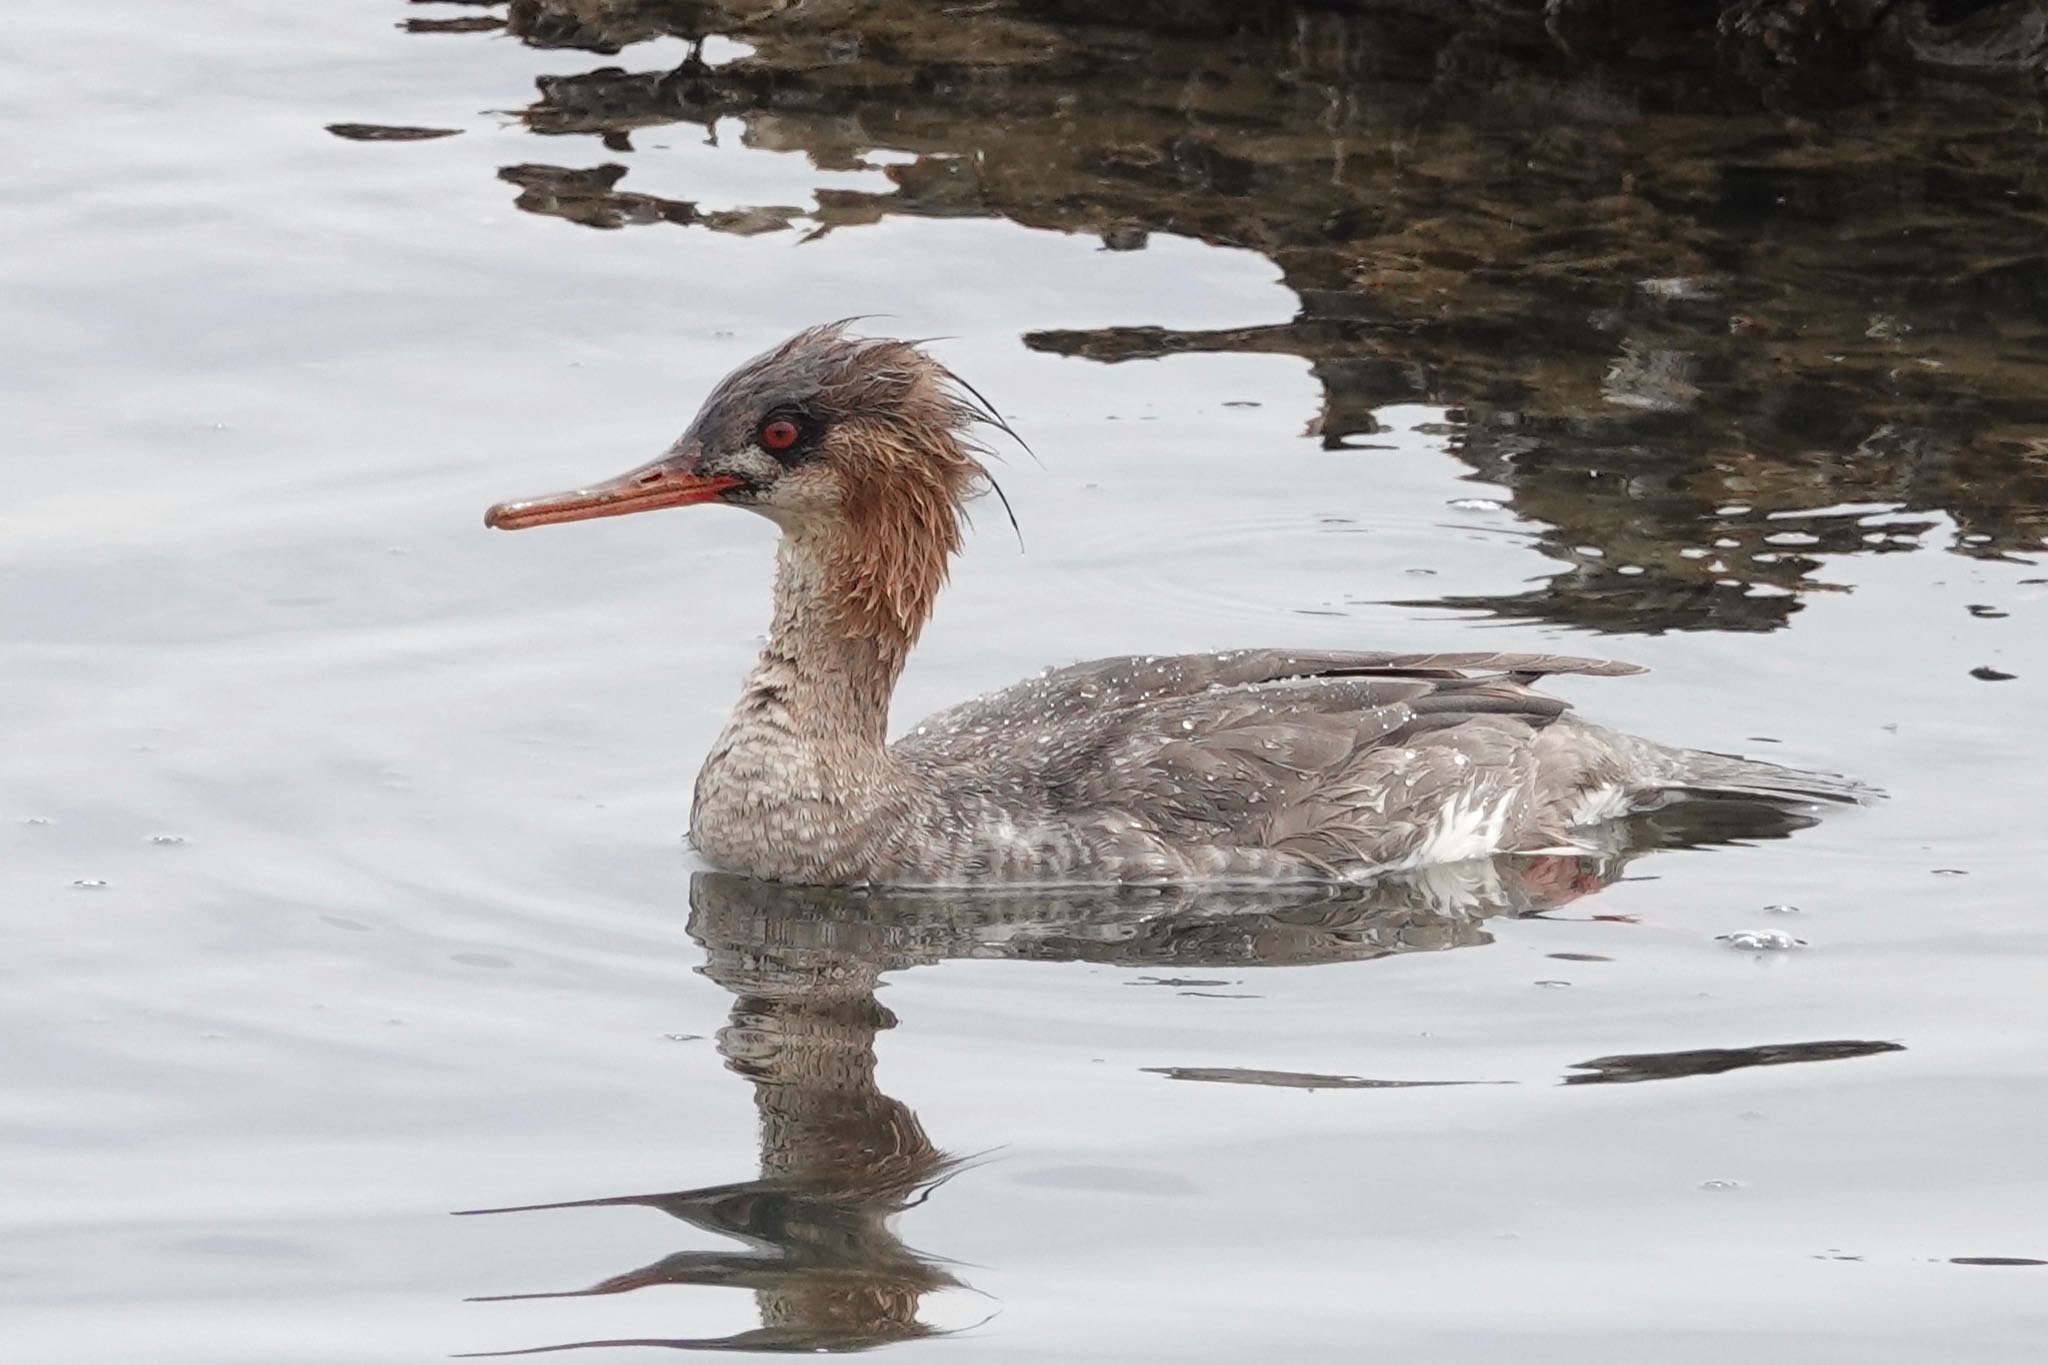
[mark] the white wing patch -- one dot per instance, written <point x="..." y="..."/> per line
<point x="1469" y="825"/>
<point x="1599" y="803"/>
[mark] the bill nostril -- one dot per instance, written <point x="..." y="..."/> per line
<point x="653" y="476"/>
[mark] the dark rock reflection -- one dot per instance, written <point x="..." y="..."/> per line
<point x="1710" y="327"/>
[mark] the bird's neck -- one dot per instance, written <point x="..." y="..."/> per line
<point x="847" y="611"/>
<point x="802" y="786"/>
<point x="830" y="664"/>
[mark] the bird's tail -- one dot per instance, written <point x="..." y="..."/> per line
<point x="1698" y="772"/>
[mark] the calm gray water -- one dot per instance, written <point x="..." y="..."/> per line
<point x="340" y="837"/>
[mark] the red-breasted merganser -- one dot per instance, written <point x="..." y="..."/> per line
<point x="1254" y="765"/>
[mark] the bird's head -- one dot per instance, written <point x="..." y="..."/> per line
<point x="859" y="447"/>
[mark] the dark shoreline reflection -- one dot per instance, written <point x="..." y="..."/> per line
<point x="1707" y="340"/>
<point x="839" y="1159"/>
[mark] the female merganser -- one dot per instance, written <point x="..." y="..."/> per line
<point x="1252" y="765"/>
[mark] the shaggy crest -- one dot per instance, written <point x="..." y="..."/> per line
<point x="897" y="438"/>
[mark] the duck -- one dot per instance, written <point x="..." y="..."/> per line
<point x="1262" y="765"/>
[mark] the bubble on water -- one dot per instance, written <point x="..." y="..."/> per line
<point x="1553" y="985"/>
<point x="166" y="840"/>
<point x="1720" y="1184"/>
<point x="1781" y="910"/>
<point x="1676" y="287"/>
<point x="90" y="883"/>
<point x="39" y="820"/>
<point x="1950" y="872"/>
<point x="682" y="1037"/>
<point x="1762" y="941"/>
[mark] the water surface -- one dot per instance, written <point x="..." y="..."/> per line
<point x="341" y="837"/>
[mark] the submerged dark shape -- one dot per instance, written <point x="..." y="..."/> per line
<point x="1251" y="765"/>
<point x="1712" y="1061"/>
<point x="386" y="132"/>
<point x="1289" y="1080"/>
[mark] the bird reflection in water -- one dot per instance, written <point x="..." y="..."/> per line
<point x="839" y="1159"/>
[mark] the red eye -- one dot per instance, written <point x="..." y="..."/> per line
<point x="779" y="433"/>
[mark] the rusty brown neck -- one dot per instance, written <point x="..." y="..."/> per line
<point x="847" y="611"/>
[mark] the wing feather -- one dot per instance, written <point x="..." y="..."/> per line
<point x="1337" y="758"/>
<point x="1057" y="696"/>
